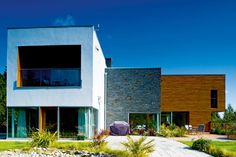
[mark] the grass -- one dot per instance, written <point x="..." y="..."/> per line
<point x="229" y="146"/>
<point x="11" y="145"/>
<point x="6" y="145"/>
<point x="72" y="145"/>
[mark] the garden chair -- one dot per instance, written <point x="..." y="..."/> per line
<point x="201" y="128"/>
<point x="190" y="129"/>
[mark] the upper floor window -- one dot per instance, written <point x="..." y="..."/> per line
<point x="58" y="65"/>
<point x="214" y="99"/>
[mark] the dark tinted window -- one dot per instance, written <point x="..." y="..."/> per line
<point x="213" y="98"/>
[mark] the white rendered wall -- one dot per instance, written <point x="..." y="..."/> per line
<point x="99" y="65"/>
<point x="54" y="96"/>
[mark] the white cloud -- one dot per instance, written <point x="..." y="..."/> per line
<point x="64" y="21"/>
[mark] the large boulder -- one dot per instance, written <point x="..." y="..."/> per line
<point x="119" y="128"/>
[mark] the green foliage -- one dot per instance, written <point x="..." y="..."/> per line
<point x="81" y="136"/>
<point x="219" y="148"/>
<point x="215" y="117"/>
<point x="139" y="148"/>
<point x="201" y="145"/>
<point x="218" y="131"/>
<point x="43" y="139"/>
<point x="229" y="115"/>
<point x="2" y="101"/>
<point x="172" y="131"/>
<point x="72" y="145"/>
<point x="232" y="129"/>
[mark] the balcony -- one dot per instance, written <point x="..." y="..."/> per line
<point x="50" y="77"/>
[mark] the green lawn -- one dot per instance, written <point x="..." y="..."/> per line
<point x="11" y="145"/>
<point x="227" y="145"/>
<point x="6" y="145"/>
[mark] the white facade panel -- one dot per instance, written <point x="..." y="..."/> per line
<point x="99" y="65"/>
<point x="51" y="96"/>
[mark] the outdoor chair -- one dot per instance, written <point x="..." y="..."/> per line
<point x="201" y="128"/>
<point x="191" y="129"/>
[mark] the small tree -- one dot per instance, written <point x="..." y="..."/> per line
<point x="229" y="115"/>
<point x="215" y="117"/>
<point x="2" y="102"/>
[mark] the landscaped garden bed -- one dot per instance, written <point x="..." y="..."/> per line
<point x="215" y="148"/>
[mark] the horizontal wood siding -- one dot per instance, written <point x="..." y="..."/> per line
<point x="192" y="93"/>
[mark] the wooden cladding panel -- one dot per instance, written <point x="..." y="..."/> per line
<point x="191" y="93"/>
<point x="203" y="117"/>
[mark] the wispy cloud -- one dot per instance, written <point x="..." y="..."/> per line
<point x="64" y="21"/>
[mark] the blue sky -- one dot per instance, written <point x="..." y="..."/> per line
<point x="180" y="36"/>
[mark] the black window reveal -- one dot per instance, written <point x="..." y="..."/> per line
<point x="213" y="98"/>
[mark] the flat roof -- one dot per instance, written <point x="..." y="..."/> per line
<point x="130" y="68"/>
<point x="193" y="75"/>
<point x="35" y="27"/>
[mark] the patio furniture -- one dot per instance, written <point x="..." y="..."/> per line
<point x="201" y="128"/>
<point x="190" y="129"/>
<point x="119" y="128"/>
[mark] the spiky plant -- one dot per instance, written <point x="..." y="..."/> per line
<point x="140" y="147"/>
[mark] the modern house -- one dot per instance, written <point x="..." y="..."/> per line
<point x="55" y="81"/>
<point x="59" y="80"/>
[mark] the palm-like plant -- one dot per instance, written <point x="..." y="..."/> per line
<point x="139" y="148"/>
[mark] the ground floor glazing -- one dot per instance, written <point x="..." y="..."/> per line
<point x="68" y="122"/>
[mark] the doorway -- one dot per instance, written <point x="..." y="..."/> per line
<point x="48" y="119"/>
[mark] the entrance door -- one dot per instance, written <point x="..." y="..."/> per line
<point x="48" y="118"/>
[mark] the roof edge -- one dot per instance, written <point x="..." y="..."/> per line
<point x="193" y="74"/>
<point x="36" y="27"/>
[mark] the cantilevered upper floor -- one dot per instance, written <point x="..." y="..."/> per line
<point x="54" y="66"/>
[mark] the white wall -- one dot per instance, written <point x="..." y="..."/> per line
<point x="99" y="65"/>
<point x="61" y="96"/>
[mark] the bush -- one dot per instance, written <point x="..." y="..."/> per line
<point x="99" y="138"/>
<point x="42" y="139"/>
<point x="218" y="131"/>
<point x="139" y="148"/>
<point x="231" y="129"/>
<point x="218" y="152"/>
<point x="81" y="136"/>
<point x="172" y="131"/>
<point x="151" y="132"/>
<point x="201" y="145"/>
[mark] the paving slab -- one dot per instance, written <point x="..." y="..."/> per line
<point x="164" y="147"/>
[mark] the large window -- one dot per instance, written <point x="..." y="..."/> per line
<point x="213" y="98"/>
<point x="143" y="121"/>
<point x="22" y="121"/>
<point x="49" y="66"/>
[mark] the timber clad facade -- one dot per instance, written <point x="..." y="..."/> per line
<point x="192" y="94"/>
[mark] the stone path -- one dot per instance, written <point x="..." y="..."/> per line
<point x="164" y="147"/>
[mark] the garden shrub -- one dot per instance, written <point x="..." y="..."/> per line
<point x="151" y="132"/>
<point x="139" y="148"/>
<point x="42" y="139"/>
<point x="172" y="131"/>
<point x="99" y="139"/>
<point x="81" y="136"/>
<point x="201" y="145"/>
